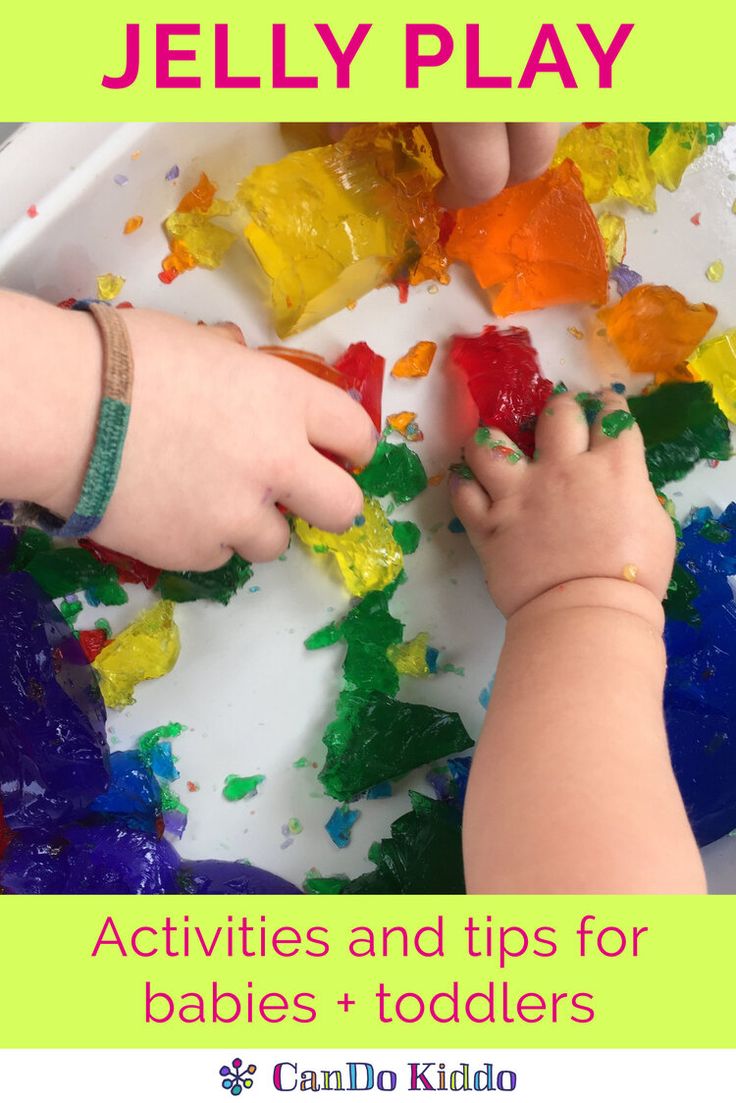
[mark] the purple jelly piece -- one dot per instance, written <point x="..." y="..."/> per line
<point x="175" y="822"/>
<point x="133" y="796"/>
<point x="53" y="753"/>
<point x="80" y="860"/>
<point x="120" y="179"/>
<point x="173" y="172"/>
<point x="625" y="278"/>
<point x="8" y="536"/>
<point x="213" y="878"/>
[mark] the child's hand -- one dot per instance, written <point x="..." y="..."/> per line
<point x="218" y="435"/>
<point x="480" y="159"/>
<point x="584" y="509"/>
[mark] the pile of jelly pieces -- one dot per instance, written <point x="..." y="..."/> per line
<point x="367" y="215"/>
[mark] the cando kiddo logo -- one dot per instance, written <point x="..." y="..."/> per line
<point x="236" y="1079"/>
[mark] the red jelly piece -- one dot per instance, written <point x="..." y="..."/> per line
<point x="92" y="641"/>
<point x="124" y="306"/>
<point x="5" y="833"/>
<point x="67" y="304"/>
<point x="128" y="568"/>
<point x="168" y="276"/>
<point x="362" y="370"/>
<point x="502" y="371"/>
<point x="403" y="288"/>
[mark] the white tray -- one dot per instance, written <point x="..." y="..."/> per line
<point x="253" y="700"/>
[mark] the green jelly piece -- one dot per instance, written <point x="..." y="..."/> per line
<point x="324" y="637"/>
<point x="462" y="471"/>
<point x="325" y="886"/>
<point x="61" y="571"/>
<point x="236" y="788"/>
<point x="682" y="591"/>
<point x="681" y="425"/>
<point x="301" y="763"/>
<point x="394" y="470"/>
<point x="407" y="536"/>
<point x="376" y="738"/>
<point x="613" y="424"/>
<point x="219" y="585"/>
<point x="657" y="132"/>
<point x="105" y="626"/>
<point x="70" y="610"/>
<point x="30" y="543"/>
<point x="713" y="133"/>
<point x="715" y="532"/>
<point x="369" y="630"/>
<point x="170" y="801"/>
<point x="590" y="404"/>
<point x="422" y="857"/>
<point x="150" y="739"/>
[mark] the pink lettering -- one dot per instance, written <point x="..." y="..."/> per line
<point x="547" y="37"/>
<point x="222" y="70"/>
<point x="605" y="58"/>
<point x="132" y="59"/>
<point x="280" y="78"/>
<point x="343" y="59"/>
<point x="416" y="60"/>
<point x="165" y="55"/>
<point x="473" y="79"/>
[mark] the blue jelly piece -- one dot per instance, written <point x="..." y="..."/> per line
<point x="378" y="792"/>
<point x="340" y="824"/>
<point x="133" y="796"/>
<point x="53" y="753"/>
<point x="8" y="536"/>
<point x="484" y="696"/>
<point x="456" y="525"/>
<point x="703" y="750"/>
<point x="213" y="878"/>
<point x="78" y="860"/>
<point x="432" y="656"/>
<point x="460" y="770"/>
<point x="162" y="761"/>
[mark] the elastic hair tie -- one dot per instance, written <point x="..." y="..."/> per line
<point x="112" y="427"/>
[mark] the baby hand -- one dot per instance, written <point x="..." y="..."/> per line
<point x="480" y="159"/>
<point x="218" y="435"/>
<point x="583" y="509"/>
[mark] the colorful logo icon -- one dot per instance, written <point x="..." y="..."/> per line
<point x="237" y="1078"/>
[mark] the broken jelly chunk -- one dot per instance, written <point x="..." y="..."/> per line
<point x="330" y="224"/>
<point x="205" y="241"/>
<point x="53" y="753"/>
<point x="681" y="144"/>
<point x="147" y="648"/>
<point x="416" y="362"/>
<point x="60" y="571"/>
<point x="368" y="555"/>
<point x="681" y="424"/>
<point x="128" y="569"/>
<point x="613" y="160"/>
<point x="715" y="362"/>
<point x="655" y="328"/>
<point x="422" y="857"/>
<point x="218" y="585"/>
<point x="411" y="657"/>
<point x="536" y="244"/>
<point x="395" y="470"/>
<point x="214" y="878"/>
<point x="109" y="859"/>
<point x="376" y="738"/>
<point x="109" y="286"/>
<point x="502" y="372"/>
<point x="613" y="232"/>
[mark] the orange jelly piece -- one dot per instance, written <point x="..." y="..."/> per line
<point x="655" y="328"/>
<point x="416" y="362"/>
<point x="536" y="244"/>
<point x="200" y="197"/>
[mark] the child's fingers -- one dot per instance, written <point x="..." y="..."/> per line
<point x="339" y="424"/>
<point x="325" y="495"/>
<point x="562" y="430"/>
<point x="531" y="146"/>
<point x="267" y="539"/>
<point x="497" y="463"/>
<point x="615" y="427"/>
<point x="470" y="502"/>
<point x="475" y="157"/>
<point x="230" y="331"/>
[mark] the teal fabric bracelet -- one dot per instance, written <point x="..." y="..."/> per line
<point x="112" y="427"/>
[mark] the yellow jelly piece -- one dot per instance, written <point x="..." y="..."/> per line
<point x="613" y="232"/>
<point x="332" y="223"/>
<point x="613" y="159"/>
<point x="367" y="554"/>
<point x="411" y="657"/>
<point x="204" y="240"/>
<point x="147" y="648"/>
<point x="682" y="144"/>
<point x="109" y="286"/>
<point x="714" y="272"/>
<point x="715" y="362"/>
